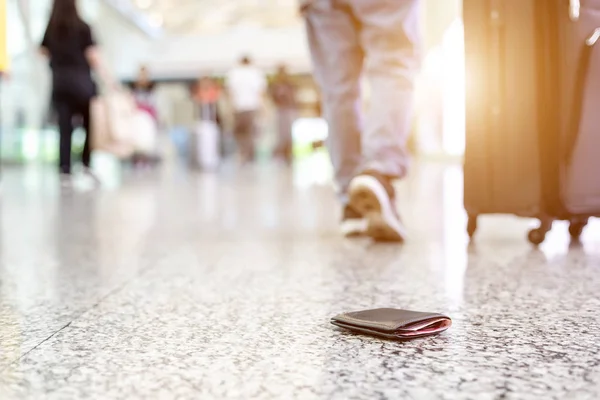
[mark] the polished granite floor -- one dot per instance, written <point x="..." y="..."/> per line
<point x="220" y="286"/>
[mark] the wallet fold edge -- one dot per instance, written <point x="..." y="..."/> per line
<point x="373" y="332"/>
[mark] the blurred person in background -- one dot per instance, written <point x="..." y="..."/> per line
<point x="207" y="93"/>
<point x="4" y="62"/>
<point x="143" y="91"/>
<point x="70" y="47"/>
<point x="246" y="87"/>
<point x="208" y="140"/>
<point x="283" y="95"/>
<point x="381" y="39"/>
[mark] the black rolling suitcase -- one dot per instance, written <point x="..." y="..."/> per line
<point x="533" y="82"/>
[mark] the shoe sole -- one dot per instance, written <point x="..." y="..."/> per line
<point x="369" y="197"/>
<point x="354" y="228"/>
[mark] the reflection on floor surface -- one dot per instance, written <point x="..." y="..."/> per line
<point x="177" y="285"/>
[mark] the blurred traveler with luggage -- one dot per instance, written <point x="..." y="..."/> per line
<point x="143" y="91"/>
<point x="246" y="86"/>
<point x="381" y="39"/>
<point x="207" y="141"/>
<point x="70" y="47"/>
<point x="208" y="91"/>
<point x="147" y="120"/>
<point x="283" y="95"/>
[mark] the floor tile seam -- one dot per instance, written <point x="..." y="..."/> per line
<point x="76" y="317"/>
<point x="81" y="313"/>
<point x="111" y="293"/>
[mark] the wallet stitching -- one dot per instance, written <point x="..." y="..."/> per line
<point x="403" y="323"/>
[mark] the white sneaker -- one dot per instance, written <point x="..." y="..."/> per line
<point x="353" y="224"/>
<point x="66" y="181"/>
<point x="372" y="195"/>
<point x="90" y="174"/>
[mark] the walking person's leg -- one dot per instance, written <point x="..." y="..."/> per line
<point x="87" y="150"/>
<point x="244" y="133"/>
<point x="278" y="152"/>
<point x="65" y="126"/>
<point x="252" y="134"/>
<point x="390" y="37"/>
<point x="86" y="156"/>
<point x="285" y="119"/>
<point x="289" y="118"/>
<point x="238" y="134"/>
<point x="333" y="34"/>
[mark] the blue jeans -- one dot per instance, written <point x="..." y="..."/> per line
<point x="381" y="39"/>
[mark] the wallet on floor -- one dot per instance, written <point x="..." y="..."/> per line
<point x="393" y="323"/>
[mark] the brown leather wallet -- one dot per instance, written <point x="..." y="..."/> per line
<point x="392" y="323"/>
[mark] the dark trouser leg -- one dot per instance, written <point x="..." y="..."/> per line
<point x="87" y="151"/>
<point x="65" y="126"/>
<point x="244" y="133"/>
<point x="285" y="120"/>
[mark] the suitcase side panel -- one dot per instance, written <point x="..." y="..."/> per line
<point x="477" y="185"/>
<point x="502" y="170"/>
<point x="580" y="173"/>
<point x="569" y="96"/>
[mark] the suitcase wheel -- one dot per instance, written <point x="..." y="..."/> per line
<point x="538" y="235"/>
<point x="576" y="228"/>
<point x="472" y="225"/>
